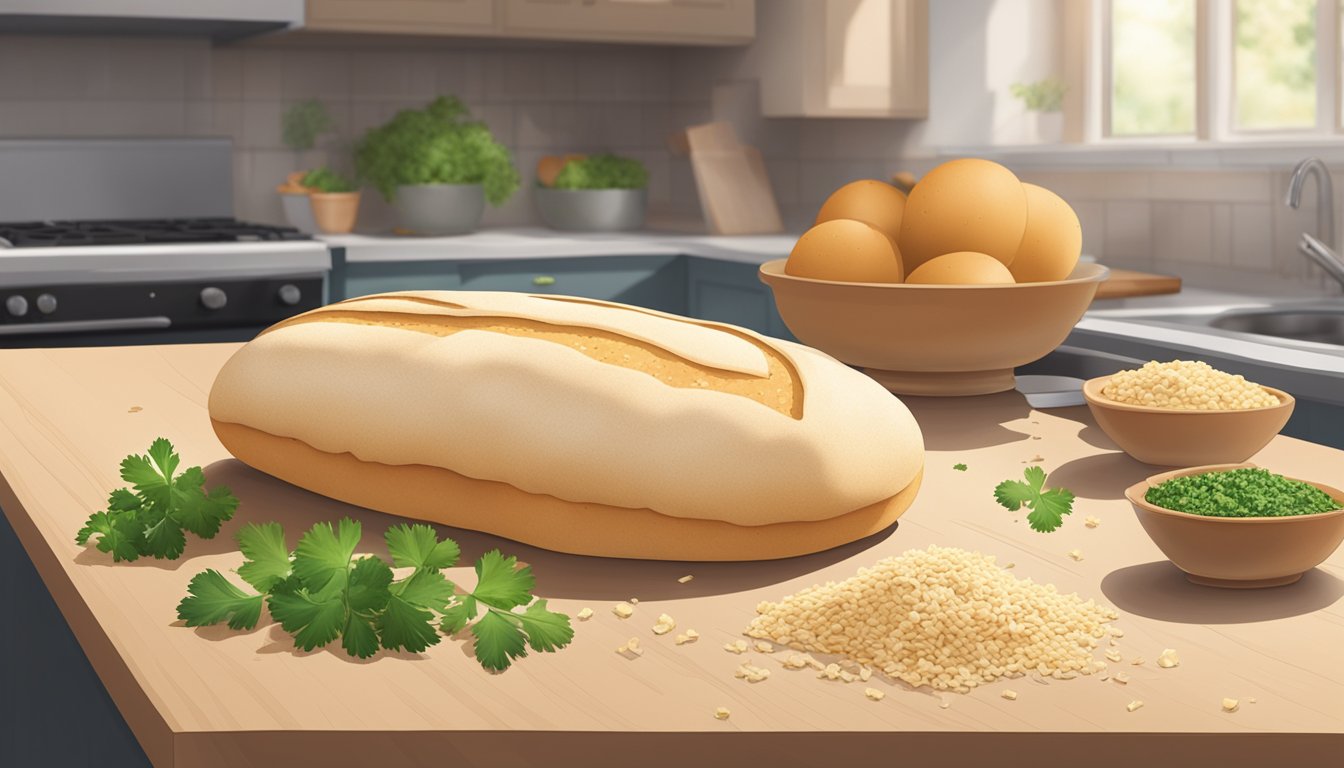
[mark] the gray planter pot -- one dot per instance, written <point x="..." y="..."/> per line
<point x="440" y="209"/>
<point x="591" y="210"/>
<point x="299" y="212"/>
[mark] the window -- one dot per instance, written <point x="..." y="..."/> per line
<point x="1217" y="69"/>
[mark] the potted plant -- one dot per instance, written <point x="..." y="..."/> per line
<point x="1044" y="100"/>
<point x="601" y="193"/>
<point x="300" y="126"/>
<point x="437" y="166"/>
<point x="335" y="200"/>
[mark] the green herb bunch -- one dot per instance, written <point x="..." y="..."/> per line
<point x="603" y="172"/>
<point x="439" y="144"/>
<point x="1046" y="509"/>
<point x="1042" y="95"/>
<point x="1249" y="492"/>
<point x="326" y="180"/>
<point x="321" y="592"/>
<point x="151" y="517"/>
<point x="303" y="122"/>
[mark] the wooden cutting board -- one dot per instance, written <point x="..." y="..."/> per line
<point x="1125" y="283"/>
<point x="735" y="191"/>
<point x="212" y="697"/>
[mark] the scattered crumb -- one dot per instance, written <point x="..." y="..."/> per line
<point x="1037" y="459"/>
<point x="1035" y="437"/>
<point x="1091" y="522"/>
<point x="585" y="614"/>
<point x="1009" y="694"/>
<point x="873" y="694"/>
<point x="685" y="578"/>
<point x="944" y="703"/>
<point x="135" y="409"/>
<point x="665" y="624"/>
<point x="865" y="674"/>
<point x="1121" y="678"/>
<point x="689" y="636"/>
<point x="1168" y="659"/>
<point x="1113" y="655"/>
<point x="1009" y="566"/>
<point x="1076" y="554"/>
<point x="764" y="647"/>
<point x="1250" y="699"/>
<point x="737" y="646"/>
<point x="624" y="610"/>
<point x="751" y="673"/>
<point x="1117" y="632"/>
<point x="1231" y="705"/>
<point x="721" y="713"/>
<point x="1114" y="644"/>
<point x="1133" y="705"/>
<point x="633" y="601"/>
<point x="1104" y="678"/>
<point x="1138" y="661"/>
<point x="631" y="648"/>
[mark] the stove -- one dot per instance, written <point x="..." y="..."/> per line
<point x="153" y="258"/>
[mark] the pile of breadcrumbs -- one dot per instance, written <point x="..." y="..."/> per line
<point x="942" y="617"/>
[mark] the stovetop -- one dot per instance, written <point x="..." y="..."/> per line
<point x="36" y="234"/>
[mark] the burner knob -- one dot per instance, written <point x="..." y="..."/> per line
<point x="16" y="305"/>
<point x="213" y="298"/>
<point x="46" y="303"/>
<point x="290" y="294"/>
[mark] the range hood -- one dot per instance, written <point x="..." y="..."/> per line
<point x="218" y="19"/>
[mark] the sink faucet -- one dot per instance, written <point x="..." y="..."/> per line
<point x="1320" y="249"/>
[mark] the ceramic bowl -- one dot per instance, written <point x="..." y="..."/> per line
<point x="1175" y="438"/>
<point x="1239" y="552"/>
<point x="934" y="339"/>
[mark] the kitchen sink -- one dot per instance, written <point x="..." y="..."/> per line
<point x="1324" y="326"/>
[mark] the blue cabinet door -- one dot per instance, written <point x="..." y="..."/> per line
<point x="731" y="292"/>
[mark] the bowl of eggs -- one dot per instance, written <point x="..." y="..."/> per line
<point x="941" y="292"/>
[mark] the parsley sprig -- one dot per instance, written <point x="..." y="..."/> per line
<point x="320" y="592"/>
<point x="152" y="516"/>
<point x="1048" y="508"/>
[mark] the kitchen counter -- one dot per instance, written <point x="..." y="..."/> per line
<point x="540" y="243"/>
<point x="214" y="697"/>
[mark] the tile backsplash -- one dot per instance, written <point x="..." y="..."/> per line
<point x="1217" y="227"/>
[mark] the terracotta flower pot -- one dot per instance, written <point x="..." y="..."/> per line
<point x="335" y="212"/>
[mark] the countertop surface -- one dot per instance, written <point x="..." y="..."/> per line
<point x="540" y="243"/>
<point x="214" y="697"/>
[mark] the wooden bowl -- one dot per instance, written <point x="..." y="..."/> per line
<point x="1175" y="438"/>
<point x="934" y="339"/>
<point x="1239" y="552"/>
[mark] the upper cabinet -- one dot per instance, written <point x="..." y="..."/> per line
<point x="703" y="22"/>
<point x="845" y="58"/>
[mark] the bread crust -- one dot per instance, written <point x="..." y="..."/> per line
<point x="442" y="496"/>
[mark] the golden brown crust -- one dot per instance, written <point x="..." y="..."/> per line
<point x="442" y="496"/>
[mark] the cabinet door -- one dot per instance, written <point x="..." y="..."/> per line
<point x="655" y="282"/>
<point x="632" y="21"/>
<point x="728" y="292"/>
<point x="425" y="17"/>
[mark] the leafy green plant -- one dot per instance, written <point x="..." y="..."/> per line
<point x="1047" y="508"/>
<point x="151" y="517"/>
<point x="603" y="172"/>
<point x="326" y="180"/>
<point x="439" y="144"/>
<point x="303" y="122"/>
<point x="320" y="592"/>
<point x="1041" y="96"/>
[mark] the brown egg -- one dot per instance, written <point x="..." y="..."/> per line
<point x="964" y="205"/>
<point x="875" y="203"/>
<point x="550" y="166"/>
<point x="962" y="268"/>
<point x="846" y="250"/>
<point x="1053" y="240"/>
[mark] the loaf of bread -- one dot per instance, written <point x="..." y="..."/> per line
<point x="572" y="424"/>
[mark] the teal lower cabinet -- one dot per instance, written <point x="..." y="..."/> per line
<point x="731" y="292"/>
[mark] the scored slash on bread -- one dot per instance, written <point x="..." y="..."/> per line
<point x="572" y="424"/>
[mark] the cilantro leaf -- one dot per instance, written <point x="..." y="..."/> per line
<point x="267" y="556"/>
<point x="417" y="546"/>
<point x="498" y="641"/>
<point x="323" y="552"/>
<point x="211" y="598"/>
<point x="456" y="617"/>
<point x="1047" y="508"/>
<point x="313" y="619"/>
<point x="118" y="534"/>
<point x="546" y="630"/>
<point x="366" y="587"/>
<point x="406" y="625"/>
<point x="500" y="584"/>
<point x="163" y="537"/>
<point x="427" y="589"/>
<point x="959" y="467"/>
<point x="359" y="638"/>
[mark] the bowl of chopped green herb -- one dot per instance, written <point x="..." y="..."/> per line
<point x="1238" y="525"/>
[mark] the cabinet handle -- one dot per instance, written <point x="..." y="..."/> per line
<point x="543" y="280"/>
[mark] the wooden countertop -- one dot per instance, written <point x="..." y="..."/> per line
<point x="213" y="697"/>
